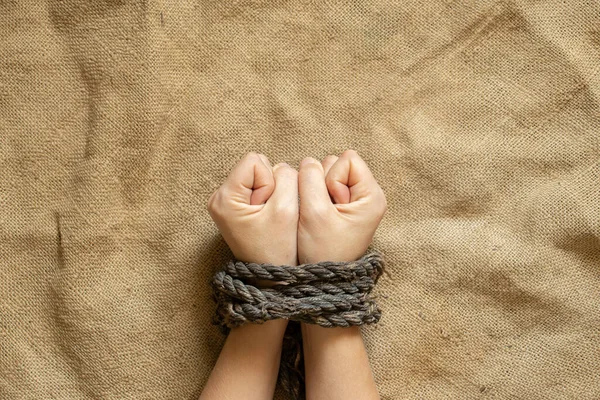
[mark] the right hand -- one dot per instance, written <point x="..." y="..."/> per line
<point x="341" y="206"/>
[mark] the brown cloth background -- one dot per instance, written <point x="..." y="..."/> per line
<point x="480" y="120"/>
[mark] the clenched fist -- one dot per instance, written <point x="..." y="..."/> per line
<point x="341" y="206"/>
<point x="256" y="210"/>
<point x="258" y="214"/>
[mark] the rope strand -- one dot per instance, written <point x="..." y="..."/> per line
<point x="328" y="293"/>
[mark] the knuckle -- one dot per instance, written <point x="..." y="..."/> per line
<point x="210" y="202"/>
<point x="350" y="153"/>
<point x="382" y="204"/>
<point x="291" y="172"/>
<point x="284" y="168"/>
<point x="214" y="204"/>
<point x="315" y="165"/>
<point x="306" y="161"/>
<point x="285" y="175"/>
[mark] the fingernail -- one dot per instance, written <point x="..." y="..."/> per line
<point x="264" y="159"/>
<point x="307" y="161"/>
<point x="280" y="165"/>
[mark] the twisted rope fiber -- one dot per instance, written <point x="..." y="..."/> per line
<point x="328" y="293"/>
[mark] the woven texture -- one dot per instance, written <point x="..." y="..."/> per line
<point x="479" y="119"/>
<point x="327" y="293"/>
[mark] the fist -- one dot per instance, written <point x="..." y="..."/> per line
<point x="256" y="211"/>
<point x="341" y="206"/>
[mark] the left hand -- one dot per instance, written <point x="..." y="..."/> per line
<point x="256" y="210"/>
<point x="341" y="206"/>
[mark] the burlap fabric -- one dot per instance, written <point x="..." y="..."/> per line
<point x="480" y="120"/>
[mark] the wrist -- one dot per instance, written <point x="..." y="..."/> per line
<point x="276" y="259"/>
<point x="313" y="332"/>
<point x="285" y="260"/>
<point x="267" y="258"/>
<point x="324" y="341"/>
<point x="311" y="258"/>
<point x="263" y="334"/>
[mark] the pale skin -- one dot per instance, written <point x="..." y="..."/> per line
<point x="258" y="213"/>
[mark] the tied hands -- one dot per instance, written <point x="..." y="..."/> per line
<point x="258" y="214"/>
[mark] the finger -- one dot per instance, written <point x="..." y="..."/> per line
<point x="327" y="162"/>
<point x="311" y="186"/>
<point x="350" y="179"/>
<point x="265" y="184"/>
<point x="265" y="160"/>
<point x="285" y="195"/>
<point x="250" y="181"/>
<point x="336" y="181"/>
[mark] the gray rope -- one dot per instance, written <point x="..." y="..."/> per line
<point x="328" y="293"/>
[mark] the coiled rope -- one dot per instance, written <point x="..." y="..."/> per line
<point x="327" y="293"/>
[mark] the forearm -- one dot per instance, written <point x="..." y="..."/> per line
<point x="336" y="364"/>
<point x="248" y="365"/>
<point x="335" y="359"/>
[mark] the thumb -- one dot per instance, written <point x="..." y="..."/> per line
<point x="349" y="179"/>
<point x="311" y="186"/>
<point x="250" y="181"/>
<point x="285" y="194"/>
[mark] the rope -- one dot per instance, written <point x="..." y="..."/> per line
<point x="327" y="293"/>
